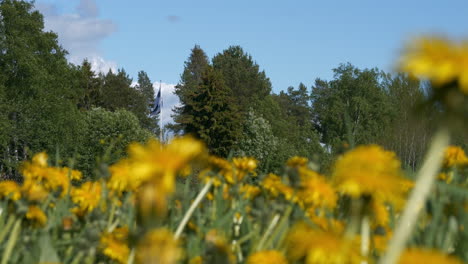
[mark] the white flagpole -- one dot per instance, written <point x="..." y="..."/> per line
<point x="160" y="116"/>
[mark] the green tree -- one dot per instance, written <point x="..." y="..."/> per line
<point x="145" y="86"/>
<point x="190" y="80"/>
<point x="90" y="85"/>
<point x="354" y="107"/>
<point x="119" y="94"/>
<point x="106" y="136"/>
<point x="38" y="84"/>
<point x="242" y="75"/>
<point x="412" y="124"/>
<point x="214" y="117"/>
<point x="258" y="141"/>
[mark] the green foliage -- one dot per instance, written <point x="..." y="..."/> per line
<point x="106" y="135"/>
<point x="352" y="108"/>
<point x="38" y="86"/>
<point x="118" y="94"/>
<point x="242" y="75"/>
<point x="90" y="85"/>
<point x="215" y="118"/>
<point x="258" y="140"/>
<point x="190" y="80"/>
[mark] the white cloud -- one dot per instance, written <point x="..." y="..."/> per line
<point x="170" y="100"/>
<point x="80" y="33"/>
<point x="87" y="8"/>
<point x="99" y="64"/>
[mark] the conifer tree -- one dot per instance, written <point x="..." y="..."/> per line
<point x="190" y="80"/>
<point x="242" y="75"/>
<point x="214" y="117"/>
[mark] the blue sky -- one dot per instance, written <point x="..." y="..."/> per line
<point x="293" y="41"/>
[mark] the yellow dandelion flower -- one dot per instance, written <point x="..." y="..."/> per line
<point x="381" y="215"/>
<point x="296" y="162"/>
<point x="326" y="223"/>
<point x="439" y="60"/>
<point x="86" y="197"/>
<point x="120" y="180"/>
<point x="455" y="156"/>
<point x="319" y="247"/>
<point x="371" y="170"/>
<point x="10" y="189"/>
<point x="164" y="162"/>
<point x="40" y="159"/>
<point x="380" y="242"/>
<point x="314" y="190"/>
<point x="267" y="257"/>
<point x="33" y="191"/>
<point x="75" y="175"/>
<point x="36" y="215"/>
<point x="114" y="245"/>
<point x="152" y="199"/>
<point x="424" y="256"/>
<point x="249" y="191"/>
<point x="158" y="246"/>
<point x="244" y="165"/>
<point x="271" y="183"/>
<point x="57" y="179"/>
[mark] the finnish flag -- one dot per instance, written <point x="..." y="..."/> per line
<point x="157" y="104"/>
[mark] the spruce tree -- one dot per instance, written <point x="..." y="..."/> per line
<point x="242" y="75"/>
<point x="214" y="117"/>
<point x="190" y="80"/>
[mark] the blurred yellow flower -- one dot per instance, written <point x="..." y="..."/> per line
<point x="36" y="215"/>
<point x="455" y="156"/>
<point x="381" y="215"/>
<point x="296" y="162"/>
<point x="87" y="197"/>
<point x="267" y="257"/>
<point x="314" y="190"/>
<point x="10" y="189"/>
<point x="319" y="247"/>
<point x="155" y="162"/>
<point x="40" y="159"/>
<point x="158" y="246"/>
<point x="327" y="224"/>
<point x="249" y="191"/>
<point x="371" y="170"/>
<point x="425" y="256"/>
<point x="152" y="199"/>
<point x="120" y="180"/>
<point x="439" y="60"/>
<point x="114" y="244"/>
<point x="33" y="191"/>
<point x="244" y="165"/>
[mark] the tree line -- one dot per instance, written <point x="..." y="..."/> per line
<point x="47" y="103"/>
<point x="228" y="102"/>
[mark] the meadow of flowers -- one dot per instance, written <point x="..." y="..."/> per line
<point x="175" y="203"/>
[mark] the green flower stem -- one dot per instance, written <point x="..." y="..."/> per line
<point x="192" y="208"/>
<point x="7" y="227"/>
<point x="365" y="238"/>
<point x="282" y="224"/>
<point x="267" y="233"/>
<point x="11" y="242"/>
<point x="78" y="257"/>
<point x="111" y="216"/>
<point x="131" y="257"/>
<point x="425" y="179"/>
